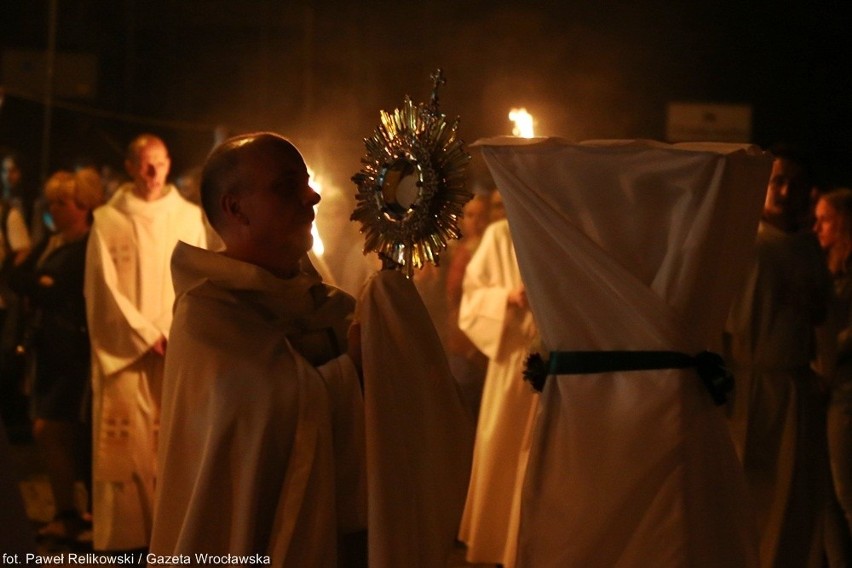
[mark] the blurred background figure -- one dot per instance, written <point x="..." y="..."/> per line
<point x="833" y="227"/>
<point x="778" y="412"/>
<point x="129" y="297"/>
<point x="495" y="315"/>
<point x="467" y="363"/>
<point x="15" y="204"/>
<point x="17" y="189"/>
<point x="16" y="536"/>
<point x="57" y="339"/>
<point x="496" y="209"/>
<point x="189" y="186"/>
<point x="112" y="178"/>
<point x="221" y="133"/>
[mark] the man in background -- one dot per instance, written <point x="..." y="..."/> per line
<point x="495" y="315"/>
<point x="129" y="296"/>
<point x="777" y="416"/>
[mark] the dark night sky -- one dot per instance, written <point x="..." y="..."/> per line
<point x="319" y="72"/>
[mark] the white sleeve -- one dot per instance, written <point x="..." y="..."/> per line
<point x="484" y="304"/>
<point x="16" y="231"/>
<point x="119" y="333"/>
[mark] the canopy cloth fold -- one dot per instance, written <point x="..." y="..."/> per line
<point x="631" y="245"/>
<point x="419" y="435"/>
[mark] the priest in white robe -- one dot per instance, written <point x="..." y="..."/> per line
<point x="268" y="448"/>
<point x="262" y="448"/>
<point x="129" y="297"/>
<point x="631" y="246"/>
<point x="495" y="315"/>
<point x="262" y="414"/>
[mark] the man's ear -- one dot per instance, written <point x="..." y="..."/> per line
<point x="232" y="208"/>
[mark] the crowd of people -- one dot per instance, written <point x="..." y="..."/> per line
<point x="86" y="342"/>
<point x="145" y="337"/>
<point x="777" y="413"/>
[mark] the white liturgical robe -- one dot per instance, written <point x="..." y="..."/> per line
<point x="129" y="298"/>
<point x="631" y="246"/>
<point x="504" y="333"/>
<point x="261" y="453"/>
<point x="419" y="433"/>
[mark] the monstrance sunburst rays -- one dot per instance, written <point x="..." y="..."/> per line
<point x="414" y="150"/>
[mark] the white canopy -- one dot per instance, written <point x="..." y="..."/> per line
<point x="631" y="245"/>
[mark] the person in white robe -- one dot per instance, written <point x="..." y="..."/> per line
<point x="495" y="315"/>
<point x="262" y="441"/>
<point x="631" y="246"/>
<point x="129" y="297"/>
<point x="778" y="411"/>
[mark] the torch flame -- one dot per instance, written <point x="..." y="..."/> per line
<point x="523" y="123"/>
<point x="316" y="185"/>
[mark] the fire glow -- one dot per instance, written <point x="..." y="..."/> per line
<point x="315" y="183"/>
<point x="523" y="123"/>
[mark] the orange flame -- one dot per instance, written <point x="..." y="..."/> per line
<point x="315" y="182"/>
<point x="523" y="123"/>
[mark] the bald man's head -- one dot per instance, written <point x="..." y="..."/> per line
<point x="225" y="169"/>
<point x="148" y="163"/>
<point x="256" y="192"/>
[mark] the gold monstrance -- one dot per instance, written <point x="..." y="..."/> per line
<point x="411" y="188"/>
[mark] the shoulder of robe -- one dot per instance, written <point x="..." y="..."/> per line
<point x="211" y="323"/>
<point x="210" y="309"/>
<point x="107" y="212"/>
<point x="110" y="222"/>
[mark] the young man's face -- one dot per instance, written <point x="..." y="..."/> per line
<point x="787" y="195"/>
<point x="475" y="218"/>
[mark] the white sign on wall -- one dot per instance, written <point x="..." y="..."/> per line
<point x="708" y="122"/>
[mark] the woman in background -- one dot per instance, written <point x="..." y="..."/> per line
<point x="833" y="227"/>
<point x="52" y="279"/>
